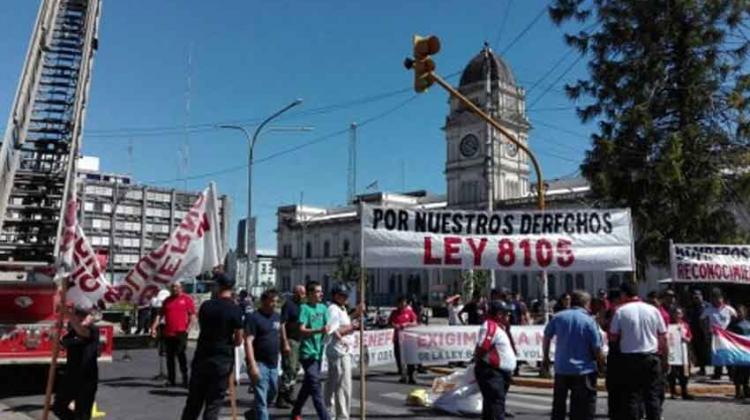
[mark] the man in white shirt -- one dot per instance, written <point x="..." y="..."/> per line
<point x="338" y="387"/>
<point x="717" y="315"/>
<point x="638" y="338"/>
<point x="495" y="361"/>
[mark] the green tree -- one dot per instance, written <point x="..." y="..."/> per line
<point x="476" y="281"/>
<point x="347" y="271"/>
<point x="668" y="90"/>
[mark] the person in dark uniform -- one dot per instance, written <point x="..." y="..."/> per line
<point x="81" y="371"/>
<point x="220" y="321"/>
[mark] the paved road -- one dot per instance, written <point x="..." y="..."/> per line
<point x="127" y="390"/>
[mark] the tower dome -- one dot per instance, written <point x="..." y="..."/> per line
<point x="475" y="70"/>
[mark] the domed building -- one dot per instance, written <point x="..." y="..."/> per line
<point x="481" y="163"/>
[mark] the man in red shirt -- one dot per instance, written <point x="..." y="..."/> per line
<point x="178" y="312"/>
<point x="402" y="317"/>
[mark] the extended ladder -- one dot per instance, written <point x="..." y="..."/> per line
<point x="42" y="137"/>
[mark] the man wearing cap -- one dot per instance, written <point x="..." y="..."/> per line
<point x="579" y="349"/>
<point x="81" y="370"/>
<point x="262" y="348"/>
<point x="178" y="313"/>
<point x="220" y="321"/>
<point x="495" y="361"/>
<point x="638" y="341"/>
<point x="338" y="388"/>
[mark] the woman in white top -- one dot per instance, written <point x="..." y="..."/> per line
<point x="454" y="308"/>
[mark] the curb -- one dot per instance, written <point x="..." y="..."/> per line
<point x="701" y="389"/>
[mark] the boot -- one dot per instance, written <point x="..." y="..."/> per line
<point x="282" y="403"/>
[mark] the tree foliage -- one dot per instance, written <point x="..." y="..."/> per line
<point x="669" y="91"/>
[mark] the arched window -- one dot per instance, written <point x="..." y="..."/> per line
<point x="345" y="247"/>
<point x="308" y="250"/>
<point x="326" y="249"/>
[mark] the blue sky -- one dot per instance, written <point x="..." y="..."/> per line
<point x="344" y="58"/>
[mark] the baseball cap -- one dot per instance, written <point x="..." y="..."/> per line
<point x="497" y="306"/>
<point x="340" y="289"/>
<point x="224" y="281"/>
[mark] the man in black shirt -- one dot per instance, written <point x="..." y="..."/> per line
<point x="262" y="348"/>
<point x="471" y="309"/>
<point x="220" y="321"/>
<point x="290" y="337"/>
<point x="81" y="370"/>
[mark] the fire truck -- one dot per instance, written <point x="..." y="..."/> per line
<point x="37" y="175"/>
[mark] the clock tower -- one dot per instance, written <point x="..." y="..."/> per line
<point x="481" y="162"/>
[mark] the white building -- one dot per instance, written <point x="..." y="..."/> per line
<point x="313" y="242"/>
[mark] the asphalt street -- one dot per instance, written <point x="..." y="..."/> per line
<point x="128" y="390"/>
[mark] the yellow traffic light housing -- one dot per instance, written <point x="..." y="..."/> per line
<point x="421" y="63"/>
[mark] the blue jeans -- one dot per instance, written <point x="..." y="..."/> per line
<point x="265" y="389"/>
<point x="311" y="388"/>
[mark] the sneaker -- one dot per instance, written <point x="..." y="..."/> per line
<point x="296" y="417"/>
<point x="412" y="381"/>
<point x="280" y="403"/>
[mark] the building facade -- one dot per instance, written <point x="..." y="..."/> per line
<point x="126" y="221"/>
<point x="481" y="167"/>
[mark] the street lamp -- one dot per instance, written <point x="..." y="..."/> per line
<point x="251" y="142"/>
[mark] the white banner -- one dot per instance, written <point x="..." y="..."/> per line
<point x="79" y="265"/>
<point x="194" y="247"/>
<point x="710" y="263"/>
<point x="378" y="344"/>
<point x="560" y="240"/>
<point x="440" y="345"/>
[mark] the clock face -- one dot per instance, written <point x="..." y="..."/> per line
<point x="511" y="149"/>
<point x="469" y="145"/>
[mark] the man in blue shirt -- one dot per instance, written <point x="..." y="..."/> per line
<point x="577" y="351"/>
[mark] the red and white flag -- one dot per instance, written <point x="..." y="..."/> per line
<point x="78" y="264"/>
<point x="194" y="247"/>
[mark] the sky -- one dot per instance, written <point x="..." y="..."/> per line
<point x="164" y="65"/>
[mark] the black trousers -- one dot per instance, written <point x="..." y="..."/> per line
<point x="613" y="382"/>
<point x="207" y="391"/>
<point x="82" y="392"/>
<point x="493" y="385"/>
<point x="677" y="374"/>
<point x="582" y="389"/>
<point x="176" y="347"/>
<point x="397" y="354"/>
<point x="642" y="386"/>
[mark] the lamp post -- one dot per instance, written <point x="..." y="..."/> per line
<point x="251" y="144"/>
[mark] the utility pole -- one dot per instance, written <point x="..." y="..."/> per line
<point x="351" y="182"/>
<point x="490" y="142"/>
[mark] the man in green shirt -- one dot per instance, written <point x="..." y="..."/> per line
<point x="313" y="318"/>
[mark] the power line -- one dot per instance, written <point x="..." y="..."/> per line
<point x="290" y="149"/>
<point x="503" y="22"/>
<point x="563" y="74"/>
<point x="525" y="29"/>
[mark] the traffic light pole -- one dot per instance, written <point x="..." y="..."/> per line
<point x="537" y="168"/>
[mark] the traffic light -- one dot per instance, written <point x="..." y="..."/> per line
<point x="422" y="63"/>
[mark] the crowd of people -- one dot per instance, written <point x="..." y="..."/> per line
<point x="304" y="331"/>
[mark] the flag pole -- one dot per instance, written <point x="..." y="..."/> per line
<point x="362" y="274"/>
<point x="57" y="331"/>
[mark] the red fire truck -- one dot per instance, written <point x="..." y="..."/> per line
<point x="27" y="320"/>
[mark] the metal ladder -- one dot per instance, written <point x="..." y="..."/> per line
<point x="42" y="138"/>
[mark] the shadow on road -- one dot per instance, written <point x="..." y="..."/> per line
<point x="24" y="408"/>
<point x="168" y="393"/>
